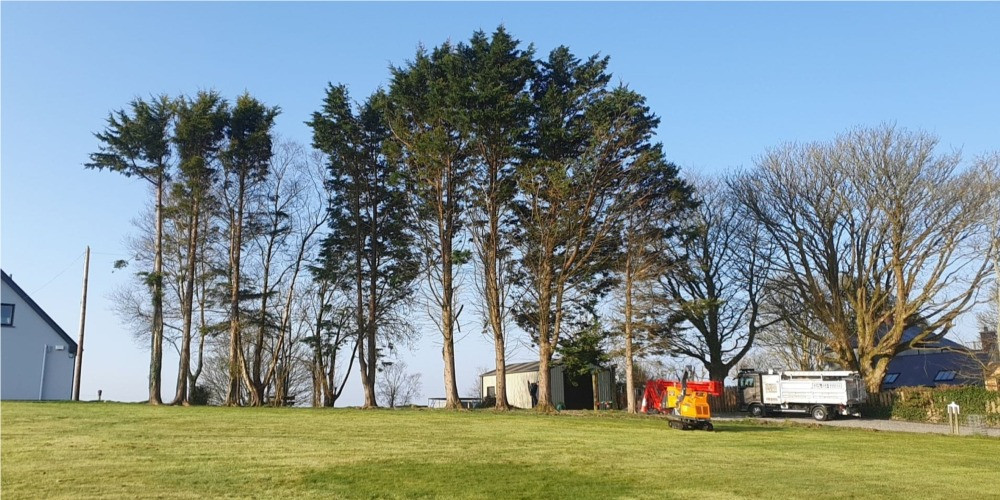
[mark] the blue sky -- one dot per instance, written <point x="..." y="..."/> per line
<point x="727" y="79"/>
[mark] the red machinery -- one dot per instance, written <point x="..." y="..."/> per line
<point x="684" y="403"/>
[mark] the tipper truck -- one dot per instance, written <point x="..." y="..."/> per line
<point x="818" y="393"/>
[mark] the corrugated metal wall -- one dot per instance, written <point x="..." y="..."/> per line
<point x="605" y="386"/>
<point x="518" y="386"/>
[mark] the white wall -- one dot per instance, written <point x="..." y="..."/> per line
<point x="21" y="355"/>
<point x="517" y="387"/>
<point x="518" y="384"/>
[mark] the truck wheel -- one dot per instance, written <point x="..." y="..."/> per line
<point x="757" y="411"/>
<point x="819" y="413"/>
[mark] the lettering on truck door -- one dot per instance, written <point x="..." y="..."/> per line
<point x="772" y="393"/>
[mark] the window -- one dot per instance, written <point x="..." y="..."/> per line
<point x="746" y="381"/>
<point x="491" y="391"/>
<point x="8" y="315"/>
<point x="891" y="378"/>
<point x="945" y="376"/>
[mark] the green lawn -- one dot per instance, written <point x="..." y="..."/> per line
<point x="130" y="450"/>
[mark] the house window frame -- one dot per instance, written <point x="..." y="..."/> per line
<point x="891" y="378"/>
<point x="945" y="376"/>
<point x="13" y="309"/>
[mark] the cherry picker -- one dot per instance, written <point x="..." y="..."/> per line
<point x="684" y="403"/>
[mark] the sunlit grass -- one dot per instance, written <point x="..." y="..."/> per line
<point x="121" y="450"/>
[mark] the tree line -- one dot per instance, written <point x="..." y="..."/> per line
<point x="273" y="268"/>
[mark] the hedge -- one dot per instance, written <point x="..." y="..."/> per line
<point x="925" y="404"/>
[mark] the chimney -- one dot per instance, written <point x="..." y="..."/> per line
<point x="988" y="343"/>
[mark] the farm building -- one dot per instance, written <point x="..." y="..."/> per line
<point x="573" y="393"/>
<point x="37" y="355"/>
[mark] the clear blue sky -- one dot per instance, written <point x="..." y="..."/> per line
<point x="728" y="80"/>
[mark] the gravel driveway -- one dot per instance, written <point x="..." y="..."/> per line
<point x="873" y="424"/>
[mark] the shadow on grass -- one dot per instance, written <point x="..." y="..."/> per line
<point x="407" y="479"/>
<point x="748" y="428"/>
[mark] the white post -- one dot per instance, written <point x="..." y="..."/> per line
<point x="953" y="413"/>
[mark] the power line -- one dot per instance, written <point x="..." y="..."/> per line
<point x="49" y="282"/>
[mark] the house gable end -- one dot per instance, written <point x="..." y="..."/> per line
<point x="7" y="280"/>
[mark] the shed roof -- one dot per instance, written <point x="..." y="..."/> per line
<point x="523" y="367"/>
<point x="526" y="367"/>
<point x="38" y="310"/>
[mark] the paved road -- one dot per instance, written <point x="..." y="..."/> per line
<point x="874" y="424"/>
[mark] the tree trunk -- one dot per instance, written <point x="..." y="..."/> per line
<point x="156" y="351"/>
<point x="718" y="372"/>
<point x="493" y="285"/>
<point x="233" y="396"/>
<point x="258" y="347"/>
<point x="545" y="343"/>
<point x="874" y="372"/>
<point x="544" y="378"/>
<point x="629" y="354"/>
<point x="187" y="306"/>
<point x="373" y="277"/>
<point x="366" y="354"/>
<point x="203" y="326"/>
<point x="452" y="400"/>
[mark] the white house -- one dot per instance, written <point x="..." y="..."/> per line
<point x="571" y="394"/>
<point x="36" y="355"/>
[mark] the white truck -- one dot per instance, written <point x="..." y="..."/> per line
<point x="818" y="393"/>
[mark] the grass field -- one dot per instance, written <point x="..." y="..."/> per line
<point x="136" y="451"/>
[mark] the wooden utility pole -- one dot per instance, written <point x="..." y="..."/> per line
<point x="83" y="323"/>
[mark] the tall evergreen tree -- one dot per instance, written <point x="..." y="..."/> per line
<point x="136" y="142"/>
<point x="198" y="136"/>
<point x="589" y="142"/>
<point x="427" y="113"/>
<point x="245" y="162"/>
<point x="499" y="118"/>
<point x="370" y="238"/>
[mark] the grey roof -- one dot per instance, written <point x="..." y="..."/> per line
<point x="911" y="333"/>
<point x="524" y="367"/>
<point x="38" y="310"/>
<point x="915" y="370"/>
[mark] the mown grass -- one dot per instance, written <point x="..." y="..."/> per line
<point x="52" y="450"/>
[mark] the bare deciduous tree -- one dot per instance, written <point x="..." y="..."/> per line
<point x="721" y="292"/>
<point x="877" y="232"/>
<point x="397" y="387"/>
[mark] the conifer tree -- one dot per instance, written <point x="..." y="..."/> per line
<point x="136" y="143"/>
<point x="370" y="240"/>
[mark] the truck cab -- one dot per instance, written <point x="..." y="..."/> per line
<point x="748" y="384"/>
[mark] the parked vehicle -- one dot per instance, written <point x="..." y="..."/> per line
<point x="818" y="393"/>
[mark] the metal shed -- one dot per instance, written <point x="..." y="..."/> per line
<point x="576" y="394"/>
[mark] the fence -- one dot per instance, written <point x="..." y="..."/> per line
<point x="467" y="403"/>
<point x="728" y="402"/>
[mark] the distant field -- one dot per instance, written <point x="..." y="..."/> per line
<point x="121" y="450"/>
